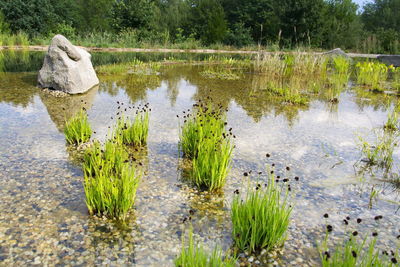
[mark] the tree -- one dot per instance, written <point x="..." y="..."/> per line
<point x="208" y="21"/>
<point x="4" y="27"/>
<point x="133" y="14"/>
<point x="31" y="16"/>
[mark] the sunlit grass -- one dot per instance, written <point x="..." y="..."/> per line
<point x="261" y="219"/>
<point x="110" y="181"/>
<point x="212" y="164"/>
<point x="134" y="67"/>
<point x="194" y="255"/>
<point x="372" y="74"/>
<point x="353" y="253"/>
<point x="133" y="132"/>
<point x="203" y="124"/>
<point x="77" y="129"/>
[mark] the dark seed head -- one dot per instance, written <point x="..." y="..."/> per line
<point x="374" y="234"/>
<point x="345" y="222"/>
<point x="326" y="215"/>
<point x="393" y="260"/>
<point x="327" y="254"/>
<point x="267" y="155"/>
<point x="329" y="228"/>
<point x="296" y="178"/>
<point x="354" y="254"/>
<point x="348" y="218"/>
<point x="355" y="233"/>
<point x="359" y="220"/>
<point x="245" y="174"/>
<point x="287" y="168"/>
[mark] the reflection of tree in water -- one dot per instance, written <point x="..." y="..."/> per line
<point x="18" y="89"/>
<point x="135" y="86"/>
<point x="172" y="80"/>
<point x="61" y="109"/>
<point x="248" y="92"/>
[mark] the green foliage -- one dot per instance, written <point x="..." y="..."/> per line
<point x="212" y="164"/>
<point x="195" y="256"/>
<point x="372" y="74"/>
<point x="110" y="181"/>
<point x="380" y="152"/>
<point x="4" y="27"/>
<point x="133" y="132"/>
<point x="261" y="220"/>
<point x="77" y="129"/>
<point x="133" y="14"/>
<point x="208" y="21"/>
<point x="353" y="253"/>
<point x="204" y="124"/>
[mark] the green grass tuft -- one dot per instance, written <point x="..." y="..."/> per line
<point x="77" y="129"/>
<point x="110" y="181"/>
<point x="212" y="164"/>
<point x="133" y="132"/>
<point x="204" y="124"/>
<point x="261" y="220"/>
<point x="353" y="253"/>
<point x="372" y="74"/>
<point x="195" y="256"/>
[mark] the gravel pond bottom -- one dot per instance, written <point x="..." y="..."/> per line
<point x="44" y="220"/>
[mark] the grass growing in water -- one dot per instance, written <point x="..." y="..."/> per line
<point x="353" y="253"/>
<point x="261" y="220"/>
<point x="212" y="164"/>
<point x="372" y="74"/>
<point x="195" y="256"/>
<point x="133" y="132"/>
<point x="77" y="129"/>
<point x="110" y="181"/>
<point x="203" y="124"/>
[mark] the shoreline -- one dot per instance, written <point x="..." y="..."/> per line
<point x="173" y="50"/>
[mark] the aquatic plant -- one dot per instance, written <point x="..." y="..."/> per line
<point x="396" y="78"/>
<point x="261" y="219"/>
<point x="287" y="93"/>
<point x="372" y="74"/>
<point x="381" y="151"/>
<point x="110" y="181"/>
<point x="212" y="164"/>
<point x="135" y="66"/>
<point x="77" y="129"/>
<point x="204" y="123"/>
<point x="196" y="256"/>
<point x="338" y="77"/>
<point x="353" y="253"/>
<point x="133" y="132"/>
<point x="392" y="122"/>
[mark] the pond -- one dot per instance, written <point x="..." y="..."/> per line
<point x="44" y="219"/>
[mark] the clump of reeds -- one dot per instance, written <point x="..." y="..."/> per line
<point x="205" y="141"/>
<point x="338" y="77"/>
<point x="77" y="129"/>
<point x="353" y="253"/>
<point x="203" y="124"/>
<point x="133" y="132"/>
<point x="212" y="163"/>
<point x="110" y="180"/>
<point x="196" y="256"/>
<point x="372" y="74"/>
<point x="261" y="219"/>
<point x="392" y="122"/>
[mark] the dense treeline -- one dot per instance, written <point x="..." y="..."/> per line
<point x="284" y="24"/>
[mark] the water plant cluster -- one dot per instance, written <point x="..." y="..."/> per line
<point x="380" y="152"/>
<point x="110" y="176"/>
<point x="134" y="67"/>
<point x="205" y="141"/>
<point x="356" y="249"/>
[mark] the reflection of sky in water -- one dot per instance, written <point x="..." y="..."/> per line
<point x="318" y="142"/>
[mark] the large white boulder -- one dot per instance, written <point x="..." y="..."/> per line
<point x="67" y="68"/>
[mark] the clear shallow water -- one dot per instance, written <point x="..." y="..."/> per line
<point x="44" y="218"/>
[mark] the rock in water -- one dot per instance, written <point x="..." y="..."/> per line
<point x="67" y="68"/>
